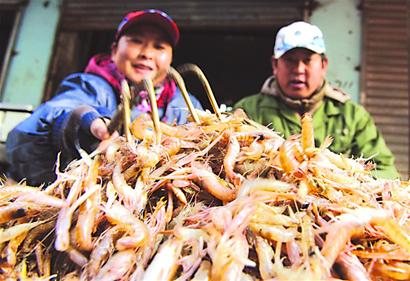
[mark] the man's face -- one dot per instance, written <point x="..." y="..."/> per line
<point x="300" y="72"/>
<point x="143" y="52"/>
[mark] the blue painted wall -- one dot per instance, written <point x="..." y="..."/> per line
<point x="340" y="22"/>
<point x="27" y="73"/>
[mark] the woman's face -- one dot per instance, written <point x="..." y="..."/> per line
<point x="143" y="52"/>
<point x="300" y="72"/>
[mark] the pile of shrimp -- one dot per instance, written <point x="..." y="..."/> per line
<point x="223" y="199"/>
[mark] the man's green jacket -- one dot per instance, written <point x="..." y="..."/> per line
<point x="350" y="125"/>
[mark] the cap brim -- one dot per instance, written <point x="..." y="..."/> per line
<point x="315" y="49"/>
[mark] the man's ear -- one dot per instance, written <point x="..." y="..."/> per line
<point x="325" y="62"/>
<point x="274" y="63"/>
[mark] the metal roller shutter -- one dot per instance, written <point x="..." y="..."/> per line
<point x="385" y="76"/>
<point x="11" y="4"/>
<point x="105" y="14"/>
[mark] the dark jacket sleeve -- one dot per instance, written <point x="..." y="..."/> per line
<point x="33" y="145"/>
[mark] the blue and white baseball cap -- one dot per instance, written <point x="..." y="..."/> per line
<point x="299" y="34"/>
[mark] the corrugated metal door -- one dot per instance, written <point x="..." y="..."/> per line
<point x="105" y="14"/>
<point x="385" y="78"/>
<point x="11" y="4"/>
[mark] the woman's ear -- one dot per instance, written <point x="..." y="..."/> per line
<point x="114" y="46"/>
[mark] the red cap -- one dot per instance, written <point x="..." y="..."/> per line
<point x="152" y="16"/>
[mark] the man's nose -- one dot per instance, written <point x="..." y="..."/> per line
<point x="299" y="66"/>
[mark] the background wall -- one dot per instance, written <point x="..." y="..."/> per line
<point x="27" y="73"/>
<point x="340" y="22"/>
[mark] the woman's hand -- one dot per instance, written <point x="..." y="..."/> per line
<point x="99" y="128"/>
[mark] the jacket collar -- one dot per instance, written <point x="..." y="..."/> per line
<point x="103" y="66"/>
<point x="271" y="88"/>
<point x="324" y="108"/>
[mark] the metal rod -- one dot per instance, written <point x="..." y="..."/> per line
<point x="181" y="84"/>
<point x="149" y="87"/>
<point x="126" y="96"/>
<point x="189" y="67"/>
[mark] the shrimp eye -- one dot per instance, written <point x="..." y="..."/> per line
<point x="304" y="205"/>
<point x="21" y="212"/>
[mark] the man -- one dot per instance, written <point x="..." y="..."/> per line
<point x="143" y="48"/>
<point x="298" y="85"/>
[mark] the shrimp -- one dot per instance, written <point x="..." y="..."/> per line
<point x="77" y="257"/>
<point x="86" y="220"/>
<point x="118" y="267"/>
<point x="293" y="252"/>
<point x="174" y="131"/>
<point x="141" y="128"/>
<point x="352" y="268"/>
<point x="171" y="146"/>
<point x="165" y="263"/>
<point x="352" y="225"/>
<point x="141" y="194"/>
<point x="230" y="257"/>
<point x="17" y="230"/>
<point x="17" y="190"/>
<point x="203" y="272"/>
<point x="12" y="246"/>
<point x="75" y="191"/>
<point x="63" y="223"/>
<point x="337" y="238"/>
<point x="287" y="158"/>
<point x="35" y="233"/>
<point x="41" y="199"/>
<point x="273" y="232"/>
<point x="18" y="210"/>
<point x="127" y="194"/>
<point x="252" y="169"/>
<point x="308" y="139"/>
<point x="308" y="237"/>
<point x="112" y="150"/>
<point x="230" y="158"/>
<point x="392" y="270"/>
<point x="213" y="184"/>
<point x="252" y="187"/>
<point x="103" y="248"/>
<point x="39" y="257"/>
<point x="119" y="215"/>
<point x="265" y="255"/>
<point x="88" y="210"/>
<point x="383" y="250"/>
<point x="177" y="192"/>
<point x="267" y="215"/>
<point x="192" y="260"/>
<point x="147" y="155"/>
